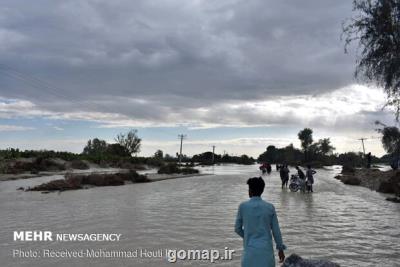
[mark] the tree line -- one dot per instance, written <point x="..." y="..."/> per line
<point x="317" y="153"/>
<point x="126" y="146"/>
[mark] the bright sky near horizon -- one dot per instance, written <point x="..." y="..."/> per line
<point x="240" y="75"/>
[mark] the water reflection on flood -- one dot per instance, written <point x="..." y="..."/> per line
<point x="350" y="225"/>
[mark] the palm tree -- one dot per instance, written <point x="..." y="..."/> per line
<point x="306" y="140"/>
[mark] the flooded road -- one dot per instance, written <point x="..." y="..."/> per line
<point x="352" y="226"/>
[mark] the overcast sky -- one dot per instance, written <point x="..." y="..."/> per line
<point x="240" y="75"/>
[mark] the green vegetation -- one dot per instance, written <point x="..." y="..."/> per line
<point x="206" y="158"/>
<point x="79" y="164"/>
<point x="159" y="154"/>
<point x="317" y="154"/>
<point x="294" y="156"/>
<point x="288" y="154"/>
<point x="33" y="166"/>
<point x="12" y="153"/>
<point x="306" y="140"/>
<point x="129" y="141"/>
<point x="173" y="168"/>
<point x="15" y="161"/>
<point x="376" y="27"/>
<point x="121" y="155"/>
<point x="95" y="147"/>
<point x="391" y="143"/>
<point x="79" y="181"/>
<point x="391" y="139"/>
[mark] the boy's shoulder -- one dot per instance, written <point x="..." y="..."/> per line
<point x="250" y="203"/>
<point x="268" y="204"/>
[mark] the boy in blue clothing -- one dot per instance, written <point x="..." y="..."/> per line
<point x="256" y="223"/>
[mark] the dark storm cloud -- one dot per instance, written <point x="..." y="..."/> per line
<point x="150" y="59"/>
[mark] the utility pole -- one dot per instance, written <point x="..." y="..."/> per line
<point x="181" y="136"/>
<point x="213" y="154"/>
<point x="362" y="141"/>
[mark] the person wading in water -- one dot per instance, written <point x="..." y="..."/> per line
<point x="302" y="177"/>
<point x="284" y="173"/>
<point x="256" y="222"/>
<point x="310" y="178"/>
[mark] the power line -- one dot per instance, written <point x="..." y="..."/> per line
<point x="44" y="86"/>
<point x="35" y="82"/>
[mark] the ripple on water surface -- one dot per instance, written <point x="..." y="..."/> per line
<point x="349" y="225"/>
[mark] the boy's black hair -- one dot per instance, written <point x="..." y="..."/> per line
<point x="256" y="185"/>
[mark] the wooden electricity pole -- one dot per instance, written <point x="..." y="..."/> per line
<point x="181" y="136"/>
<point x="362" y="141"/>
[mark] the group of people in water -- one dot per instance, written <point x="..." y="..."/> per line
<point x="307" y="178"/>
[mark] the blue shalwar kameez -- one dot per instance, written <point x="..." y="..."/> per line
<point x="256" y="222"/>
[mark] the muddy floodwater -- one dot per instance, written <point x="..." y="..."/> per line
<point x="352" y="226"/>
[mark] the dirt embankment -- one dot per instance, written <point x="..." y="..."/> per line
<point x="382" y="181"/>
<point x="24" y="168"/>
<point x="81" y="181"/>
<point x="84" y="181"/>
